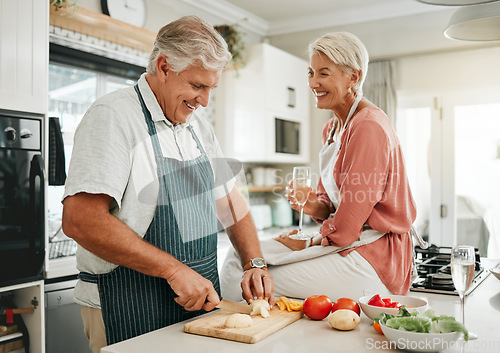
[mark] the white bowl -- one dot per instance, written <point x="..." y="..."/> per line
<point x="373" y="311"/>
<point x="496" y="272"/>
<point x="420" y="342"/>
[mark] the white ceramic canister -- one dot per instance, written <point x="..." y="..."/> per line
<point x="282" y="212"/>
<point x="271" y="176"/>
<point x="259" y="176"/>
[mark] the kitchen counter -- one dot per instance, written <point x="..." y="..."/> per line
<point x="61" y="267"/>
<point x="482" y="314"/>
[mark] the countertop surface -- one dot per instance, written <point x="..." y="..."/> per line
<point x="482" y="315"/>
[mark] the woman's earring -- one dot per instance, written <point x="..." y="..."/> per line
<point x="349" y="90"/>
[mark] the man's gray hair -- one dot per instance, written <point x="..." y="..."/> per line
<point x="346" y="50"/>
<point x="190" y="41"/>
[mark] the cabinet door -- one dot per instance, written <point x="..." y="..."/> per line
<point x="24" y="295"/>
<point x="24" y="55"/>
<point x="285" y="82"/>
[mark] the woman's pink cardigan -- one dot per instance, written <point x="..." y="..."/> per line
<point x="373" y="190"/>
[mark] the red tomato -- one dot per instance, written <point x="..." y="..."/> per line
<point x="393" y="305"/>
<point x="387" y="302"/>
<point x="377" y="327"/>
<point x="376" y="301"/>
<point x="346" y="303"/>
<point x="317" y="307"/>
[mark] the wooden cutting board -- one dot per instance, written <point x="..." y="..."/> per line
<point x="213" y="325"/>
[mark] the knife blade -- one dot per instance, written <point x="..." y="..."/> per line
<point x="236" y="307"/>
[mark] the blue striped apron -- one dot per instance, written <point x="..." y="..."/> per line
<point x="185" y="226"/>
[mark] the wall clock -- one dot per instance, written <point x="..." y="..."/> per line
<point x="129" y="11"/>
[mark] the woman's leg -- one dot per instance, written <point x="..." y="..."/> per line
<point x="333" y="275"/>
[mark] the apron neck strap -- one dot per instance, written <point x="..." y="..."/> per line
<point x="353" y="109"/>
<point x="349" y="116"/>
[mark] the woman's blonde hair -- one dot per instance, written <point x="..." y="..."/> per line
<point x="190" y="41"/>
<point x="345" y="50"/>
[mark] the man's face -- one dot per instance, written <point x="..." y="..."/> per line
<point x="182" y="93"/>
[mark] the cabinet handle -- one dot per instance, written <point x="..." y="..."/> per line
<point x="291" y="97"/>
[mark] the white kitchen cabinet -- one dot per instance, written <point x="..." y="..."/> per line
<point x="24" y="55"/>
<point x="30" y="295"/>
<point x="272" y="85"/>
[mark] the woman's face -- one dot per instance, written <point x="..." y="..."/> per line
<point x="328" y="82"/>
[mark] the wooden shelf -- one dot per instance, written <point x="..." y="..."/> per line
<point x="275" y="188"/>
<point x="103" y="27"/>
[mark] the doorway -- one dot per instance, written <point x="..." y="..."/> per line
<point x="451" y="143"/>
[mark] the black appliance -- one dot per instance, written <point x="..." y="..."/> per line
<point x="434" y="271"/>
<point x="22" y="190"/>
<point x="287" y="139"/>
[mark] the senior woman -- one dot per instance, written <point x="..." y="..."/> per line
<point x="363" y="200"/>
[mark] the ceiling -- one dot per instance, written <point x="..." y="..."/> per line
<point x="389" y="28"/>
<point x="275" y="17"/>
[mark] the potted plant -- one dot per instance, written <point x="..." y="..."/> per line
<point x="58" y="4"/>
<point x="235" y="43"/>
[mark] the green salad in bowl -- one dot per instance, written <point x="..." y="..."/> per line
<point x="421" y="332"/>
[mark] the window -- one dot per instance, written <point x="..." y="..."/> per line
<point x="76" y="80"/>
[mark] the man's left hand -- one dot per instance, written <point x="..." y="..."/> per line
<point x="258" y="284"/>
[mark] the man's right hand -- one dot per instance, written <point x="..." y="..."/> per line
<point x="194" y="292"/>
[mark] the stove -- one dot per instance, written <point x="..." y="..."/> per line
<point x="434" y="271"/>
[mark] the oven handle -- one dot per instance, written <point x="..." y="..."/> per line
<point x="37" y="200"/>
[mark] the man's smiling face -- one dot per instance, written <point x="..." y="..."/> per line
<point x="185" y="91"/>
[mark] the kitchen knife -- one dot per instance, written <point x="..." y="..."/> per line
<point x="229" y="305"/>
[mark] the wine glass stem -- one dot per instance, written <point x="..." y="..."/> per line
<point x="301" y="210"/>
<point x="462" y="308"/>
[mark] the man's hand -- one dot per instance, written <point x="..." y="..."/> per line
<point x="193" y="290"/>
<point x="257" y="284"/>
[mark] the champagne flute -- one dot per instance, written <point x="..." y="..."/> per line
<point x="463" y="259"/>
<point x="301" y="191"/>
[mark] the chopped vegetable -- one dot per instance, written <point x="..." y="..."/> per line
<point x="289" y="304"/>
<point x="295" y="305"/>
<point x="281" y="305"/>
<point x="376" y="300"/>
<point x="427" y="322"/>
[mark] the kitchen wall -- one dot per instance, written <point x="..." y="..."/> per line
<point x="426" y="61"/>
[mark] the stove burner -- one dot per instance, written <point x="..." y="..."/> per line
<point x="434" y="271"/>
<point x="439" y="279"/>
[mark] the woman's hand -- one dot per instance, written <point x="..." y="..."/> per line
<point x="313" y="206"/>
<point x="293" y="244"/>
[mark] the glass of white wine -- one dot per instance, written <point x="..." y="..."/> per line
<point x="301" y="191"/>
<point x="463" y="259"/>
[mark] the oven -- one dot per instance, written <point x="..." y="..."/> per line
<point x="22" y="190"/>
<point x="434" y="271"/>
